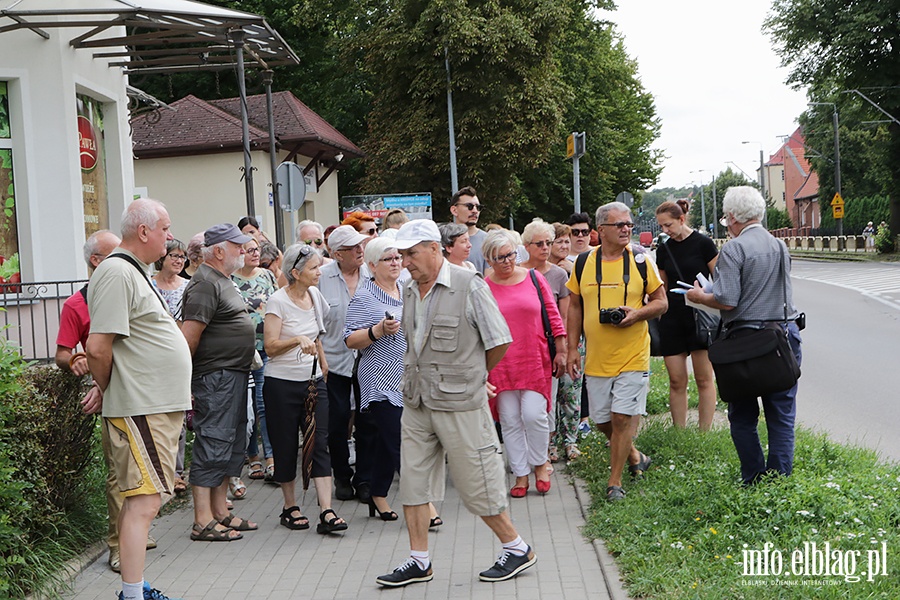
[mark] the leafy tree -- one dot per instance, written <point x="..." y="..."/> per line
<point x="836" y="46"/>
<point x="724" y="180"/>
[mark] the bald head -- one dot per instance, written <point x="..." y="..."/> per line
<point x="98" y="246"/>
<point x="145" y="229"/>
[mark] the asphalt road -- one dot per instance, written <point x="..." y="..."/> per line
<point x="850" y="383"/>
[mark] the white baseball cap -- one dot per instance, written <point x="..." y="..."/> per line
<point x="415" y="232"/>
<point x="345" y="236"/>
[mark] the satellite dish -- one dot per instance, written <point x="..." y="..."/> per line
<point x="625" y="198"/>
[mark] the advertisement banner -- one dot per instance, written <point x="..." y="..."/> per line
<point x="416" y="205"/>
<point x="92" y="155"/>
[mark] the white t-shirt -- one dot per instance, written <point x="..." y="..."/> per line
<point x="293" y="365"/>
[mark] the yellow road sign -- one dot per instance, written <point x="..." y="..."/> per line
<point x="837" y="211"/>
<point x="837" y="201"/>
<point x="570" y="146"/>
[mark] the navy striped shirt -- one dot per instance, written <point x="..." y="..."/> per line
<point x="381" y="364"/>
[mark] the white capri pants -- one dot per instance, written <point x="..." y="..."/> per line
<point x="526" y="429"/>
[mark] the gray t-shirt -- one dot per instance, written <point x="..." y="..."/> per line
<point x="229" y="340"/>
<point x="475" y="255"/>
<point x="557" y="278"/>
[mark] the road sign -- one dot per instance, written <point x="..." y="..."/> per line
<point x="838" y="201"/>
<point x="625" y="198"/>
<point x="575" y="145"/>
<point x="837" y="211"/>
<point x="292" y="186"/>
<point x="570" y="145"/>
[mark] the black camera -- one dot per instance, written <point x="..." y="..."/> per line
<point x="613" y="316"/>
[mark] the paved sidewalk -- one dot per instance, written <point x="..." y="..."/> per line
<point x="275" y="563"/>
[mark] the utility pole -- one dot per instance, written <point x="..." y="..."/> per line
<point x="702" y="200"/>
<point x="762" y="182"/>
<point x="839" y="221"/>
<point x="237" y="38"/>
<point x="575" y="148"/>
<point x="267" y="77"/>
<point x="715" y="221"/>
<point x="454" y="180"/>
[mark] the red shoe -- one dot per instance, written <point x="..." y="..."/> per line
<point x="519" y="491"/>
<point x="542" y="486"/>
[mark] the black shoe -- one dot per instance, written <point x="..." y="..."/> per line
<point x="408" y="572"/>
<point x="343" y="490"/>
<point x="364" y="492"/>
<point x="508" y="565"/>
<point x="387" y="515"/>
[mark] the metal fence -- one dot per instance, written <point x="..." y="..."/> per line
<point x="30" y="315"/>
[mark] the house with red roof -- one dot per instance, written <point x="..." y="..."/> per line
<point x="189" y="155"/>
<point x="792" y="183"/>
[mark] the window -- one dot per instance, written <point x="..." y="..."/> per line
<point x="9" y="234"/>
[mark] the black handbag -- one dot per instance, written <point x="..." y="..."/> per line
<point x="545" y="318"/>
<point x="706" y="326"/>
<point x="754" y="358"/>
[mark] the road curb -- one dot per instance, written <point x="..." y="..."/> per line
<point x="611" y="574"/>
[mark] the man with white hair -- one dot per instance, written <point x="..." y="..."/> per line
<point x="753" y="284"/>
<point x="221" y="337"/>
<point x="141" y="368"/>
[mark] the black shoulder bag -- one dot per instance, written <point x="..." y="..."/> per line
<point x="706" y="326"/>
<point x="755" y="358"/>
<point x="545" y="318"/>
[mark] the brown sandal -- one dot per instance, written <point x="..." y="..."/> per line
<point x="211" y="534"/>
<point x="244" y="526"/>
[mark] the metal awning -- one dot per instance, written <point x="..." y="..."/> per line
<point x="153" y="36"/>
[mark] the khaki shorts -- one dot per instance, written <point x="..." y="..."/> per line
<point x="142" y="452"/>
<point x="473" y="454"/>
<point x="624" y="394"/>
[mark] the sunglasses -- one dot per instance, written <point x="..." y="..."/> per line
<point x="618" y="224"/>
<point x="581" y="232"/>
<point x="369" y="231"/>
<point x="304" y="252"/>
<point x="315" y="242"/>
<point x="470" y="206"/>
<point x="542" y="244"/>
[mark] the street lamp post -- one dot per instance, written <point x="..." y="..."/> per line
<point x="702" y="199"/>
<point x="837" y="159"/>
<point x="762" y="180"/>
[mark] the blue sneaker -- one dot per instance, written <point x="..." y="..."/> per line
<point x="150" y="594"/>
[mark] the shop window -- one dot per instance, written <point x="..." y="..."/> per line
<point x="9" y="234"/>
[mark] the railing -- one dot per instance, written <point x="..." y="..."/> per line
<point x="30" y="315"/>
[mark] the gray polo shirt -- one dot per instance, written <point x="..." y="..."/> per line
<point x="748" y="277"/>
<point x="334" y="288"/>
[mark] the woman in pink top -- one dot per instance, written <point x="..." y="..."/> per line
<point x="522" y="378"/>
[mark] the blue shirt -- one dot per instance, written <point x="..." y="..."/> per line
<point x="380" y="368"/>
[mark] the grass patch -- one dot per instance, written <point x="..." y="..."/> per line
<point x="683" y="531"/>
<point x="658" y="394"/>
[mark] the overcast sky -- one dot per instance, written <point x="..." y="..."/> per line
<point x="716" y="81"/>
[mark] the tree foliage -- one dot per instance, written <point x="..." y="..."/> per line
<point x="723" y="180"/>
<point x="524" y="74"/>
<point x="835" y="46"/>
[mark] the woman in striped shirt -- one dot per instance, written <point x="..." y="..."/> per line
<point x="373" y="329"/>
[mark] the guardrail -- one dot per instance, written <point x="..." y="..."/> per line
<point x="30" y="315"/>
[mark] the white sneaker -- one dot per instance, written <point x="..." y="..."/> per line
<point x="352" y="445"/>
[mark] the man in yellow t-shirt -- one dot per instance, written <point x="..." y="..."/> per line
<point x="609" y="309"/>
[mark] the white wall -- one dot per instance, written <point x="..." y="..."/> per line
<point x="44" y="77"/>
<point x="200" y="191"/>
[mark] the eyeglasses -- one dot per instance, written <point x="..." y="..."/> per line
<point x="542" y="244"/>
<point x="254" y="250"/>
<point x="178" y="256"/>
<point x="304" y="252"/>
<point x="391" y="259"/>
<point x="315" y="242"/>
<point x="581" y="232"/>
<point x="618" y="224"/>
<point x="470" y="206"/>
<point x="506" y="257"/>
<point x="370" y="231"/>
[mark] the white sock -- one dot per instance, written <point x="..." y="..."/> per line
<point x="133" y="591"/>
<point x="421" y="559"/>
<point x="517" y="546"/>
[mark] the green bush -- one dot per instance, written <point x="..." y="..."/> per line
<point x="51" y="473"/>
<point x="884" y="241"/>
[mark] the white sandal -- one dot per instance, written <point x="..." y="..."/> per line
<point x="237" y="487"/>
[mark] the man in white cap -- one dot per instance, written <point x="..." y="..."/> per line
<point x="221" y="337"/>
<point x="338" y="284"/>
<point x="455" y="334"/>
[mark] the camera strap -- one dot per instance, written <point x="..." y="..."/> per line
<point x="626" y="275"/>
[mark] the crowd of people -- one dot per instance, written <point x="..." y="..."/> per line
<point x="422" y="346"/>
